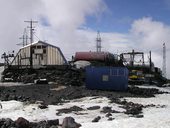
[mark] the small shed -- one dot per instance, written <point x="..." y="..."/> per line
<point x="39" y="54"/>
<point x="107" y="78"/>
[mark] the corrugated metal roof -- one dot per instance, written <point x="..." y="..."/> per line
<point x="39" y="42"/>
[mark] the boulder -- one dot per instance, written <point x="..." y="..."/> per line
<point x="69" y="122"/>
<point x="107" y="109"/>
<point x="53" y="122"/>
<point x="96" y="119"/>
<point x="93" y="108"/>
<point x="22" y="123"/>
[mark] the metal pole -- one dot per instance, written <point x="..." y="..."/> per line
<point x="31" y="39"/>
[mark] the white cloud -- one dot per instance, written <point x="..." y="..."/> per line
<point x="13" y="13"/>
<point x="150" y="35"/>
<point x="71" y="14"/>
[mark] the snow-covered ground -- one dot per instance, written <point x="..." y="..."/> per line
<point x="154" y="117"/>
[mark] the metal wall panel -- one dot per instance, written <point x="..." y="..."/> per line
<point x="54" y="56"/>
<point x="107" y="78"/>
<point x="22" y="57"/>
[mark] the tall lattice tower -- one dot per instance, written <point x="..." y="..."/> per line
<point x="98" y="42"/>
<point x="164" y="60"/>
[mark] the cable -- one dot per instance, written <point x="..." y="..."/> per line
<point x="36" y="36"/>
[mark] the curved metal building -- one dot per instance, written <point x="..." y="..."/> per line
<point x="39" y="54"/>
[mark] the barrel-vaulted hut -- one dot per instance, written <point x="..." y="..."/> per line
<point x="39" y="54"/>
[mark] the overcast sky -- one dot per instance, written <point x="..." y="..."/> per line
<point x="72" y="25"/>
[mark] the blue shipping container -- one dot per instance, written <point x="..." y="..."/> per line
<point x="107" y="78"/>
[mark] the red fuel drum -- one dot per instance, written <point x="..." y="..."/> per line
<point x="91" y="56"/>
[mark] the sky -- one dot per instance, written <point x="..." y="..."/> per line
<point x="72" y="25"/>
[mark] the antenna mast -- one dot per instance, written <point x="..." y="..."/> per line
<point x="164" y="60"/>
<point x="98" y="42"/>
<point x="31" y="29"/>
<point x="31" y="39"/>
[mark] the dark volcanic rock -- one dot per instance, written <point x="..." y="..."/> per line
<point x="108" y="114"/>
<point x="49" y="96"/>
<point x="6" y="123"/>
<point x="22" y="123"/>
<point x="43" y="106"/>
<point x="107" y="109"/>
<point x="96" y="119"/>
<point x="110" y="119"/>
<point x="145" y="92"/>
<point x="53" y="122"/>
<point x="133" y="108"/>
<point x="69" y="110"/>
<point x="42" y="124"/>
<point x="69" y="122"/>
<point x="139" y="116"/>
<point x="93" y="108"/>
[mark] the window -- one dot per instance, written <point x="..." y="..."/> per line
<point x="44" y="51"/>
<point x="105" y="78"/>
<point x="43" y="46"/>
<point x="38" y="46"/>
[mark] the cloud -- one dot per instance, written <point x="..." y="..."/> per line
<point x="148" y="34"/>
<point x="13" y="14"/>
<point x="67" y="15"/>
<point x="152" y="34"/>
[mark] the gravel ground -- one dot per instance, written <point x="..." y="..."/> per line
<point x="54" y="94"/>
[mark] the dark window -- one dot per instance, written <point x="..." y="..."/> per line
<point x="43" y="46"/>
<point x="39" y="47"/>
<point x="41" y="57"/>
<point x="44" y="51"/>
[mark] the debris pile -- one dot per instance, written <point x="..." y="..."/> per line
<point x="132" y="108"/>
<point x="66" y="76"/>
<point x="51" y="94"/>
<point x="69" y="110"/>
<point x="144" y="92"/>
<point x="23" y="123"/>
